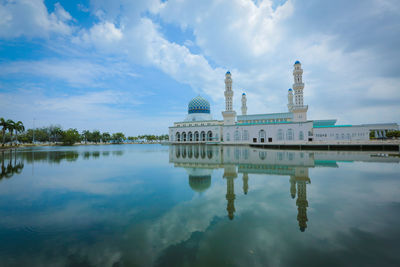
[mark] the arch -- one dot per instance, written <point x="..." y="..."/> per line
<point x="301" y="135"/>
<point x="237" y="136"/>
<point x="184" y="136"/>
<point x="178" y="137"/>
<point x="289" y="134"/>
<point x="196" y="136"/>
<point x="177" y="152"/>
<point x="203" y="136"/>
<point x="261" y="136"/>
<point x="280" y="135"/>
<point x="190" y="136"/>
<point x="209" y="136"/>
<point x="228" y="137"/>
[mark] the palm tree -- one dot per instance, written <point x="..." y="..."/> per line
<point x="19" y="128"/>
<point x="11" y="128"/>
<point x="4" y="124"/>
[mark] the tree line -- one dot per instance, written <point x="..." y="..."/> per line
<point x="15" y="132"/>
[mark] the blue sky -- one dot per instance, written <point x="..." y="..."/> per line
<point x="133" y="66"/>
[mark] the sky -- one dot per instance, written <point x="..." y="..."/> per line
<point x="133" y="66"/>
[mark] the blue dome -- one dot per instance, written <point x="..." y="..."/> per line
<point x="198" y="105"/>
<point x="243" y="94"/>
<point x="297" y="62"/>
<point x="290" y="89"/>
<point x="228" y="72"/>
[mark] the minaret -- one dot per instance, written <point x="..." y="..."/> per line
<point x="244" y="104"/>
<point x="299" y="110"/>
<point x="229" y="114"/>
<point x="290" y="99"/>
<point x="245" y="183"/>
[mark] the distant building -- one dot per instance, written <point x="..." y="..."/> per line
<point x="288" y="127"/>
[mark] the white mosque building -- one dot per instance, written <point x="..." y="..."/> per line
<point x="290" y="127"/>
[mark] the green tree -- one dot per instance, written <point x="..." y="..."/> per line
<point x="19" y="128"/>
<point x="70" y="137"/>
<point x="86" y="135"/>
<point x="11" y="128"/>
<point x="105" y="137"/>
<point x="4" y="124"/>
<point x="95" y="136"/>
<point x="118" y="137"/>
<point x="55" y="133"/>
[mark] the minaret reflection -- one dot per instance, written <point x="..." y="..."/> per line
<point x="245" y="183"/>
<point x="230" y="174"/>
<point x="301" y="179"/>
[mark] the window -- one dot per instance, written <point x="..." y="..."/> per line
<point x="228" y="137"/>
<point x="280" y="134"/>
<point x="301" y="135"/>
<point x="237" y="135"/>
<point x="289" y="134"/>
<point x="261" y="136"/>
<point x="245" y="135"/>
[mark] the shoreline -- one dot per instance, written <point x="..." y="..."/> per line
<point x="8" y="147"/>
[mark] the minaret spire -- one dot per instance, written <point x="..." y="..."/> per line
<point x="244" y="104"/>
<point x="299" y="109"/>
<point x="229" y="114"/>
<point x="228" y="91"/>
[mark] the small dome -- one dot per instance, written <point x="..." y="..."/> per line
<point x="243" y="94"/>
<point x="297" y="62"/>
<point x="198" y="105"/>
<point x="228" y="72"/>
<point x="290" y="89"/>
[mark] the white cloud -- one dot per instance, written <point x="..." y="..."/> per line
<point x="76" y="72"/>
<point x="30" y="18"/>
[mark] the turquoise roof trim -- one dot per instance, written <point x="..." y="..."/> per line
<point x="323" y="122"/>
<point x="332" y="126"/>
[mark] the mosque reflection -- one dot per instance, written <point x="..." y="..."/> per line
<point x="201" y="160"/>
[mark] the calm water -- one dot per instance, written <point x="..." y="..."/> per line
<point x="151" y="205"/>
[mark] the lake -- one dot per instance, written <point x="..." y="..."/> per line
<point x="153" y="205"/>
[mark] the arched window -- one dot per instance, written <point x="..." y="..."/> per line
<point x="203" y="136"/>
<point x="262" y="155"/>
<point x="209" y="136"/>
<point x="245" y="135"/>
<point x="301" y="135"/>
<point x="184" y="137"/>
<point x="237" y="135"/>
<point x="178" y="137"/>
<point x="280" y="134"/>
<point x="228" y="137"/>
<point x="289" y="134"/>
<point x="196" y="136"/>
<point x="190" y="136"/>
<point x="261" y="136"/>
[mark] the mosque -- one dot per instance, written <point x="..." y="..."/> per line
<point x="291" y="127"/>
